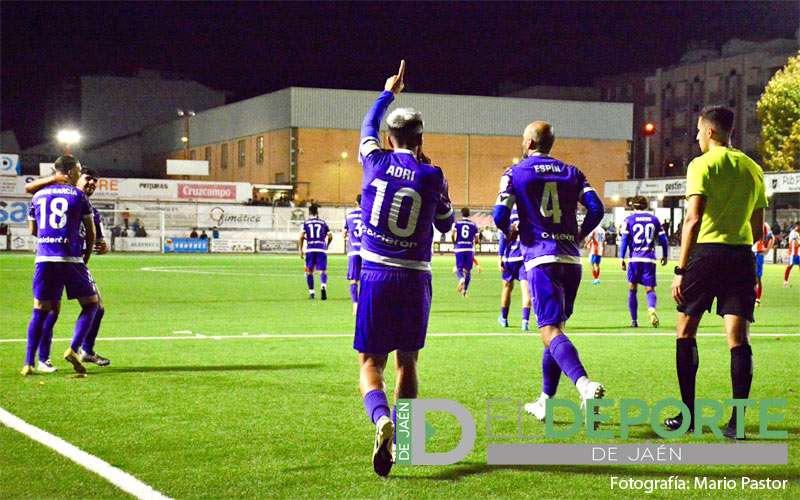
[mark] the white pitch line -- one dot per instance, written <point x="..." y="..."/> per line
<point x="278" y="336"/>
<point x="113" y="475"/>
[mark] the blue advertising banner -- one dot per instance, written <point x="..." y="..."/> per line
<point x="185" y="245"/>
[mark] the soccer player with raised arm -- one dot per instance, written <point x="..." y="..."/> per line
<point x="596" y="243"/>
<point x="512" y="268"/>
<point x="55" y="218"/>
<point x="87" y="183"/>
<point x="639" y="234"/>
<point x="403" y="198"/>
<point x="547" y="192"/>
<point x="465" y="236"/>
<point x="761" y="248"/>
<point x="793" y="253"/>
<point x="725" y="202"/>
<point x="352" y="235"/>
<point x="317" y="236"/>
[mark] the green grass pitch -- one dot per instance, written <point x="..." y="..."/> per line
<point x="282" y="417"/>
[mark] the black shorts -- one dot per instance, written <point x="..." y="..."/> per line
<point x="724" y="272"/>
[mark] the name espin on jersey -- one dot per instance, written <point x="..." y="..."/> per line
<point x="550" y="167"/>
<point x="401" y="173"/>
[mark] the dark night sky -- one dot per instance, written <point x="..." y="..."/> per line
<point x="252" y="48"/>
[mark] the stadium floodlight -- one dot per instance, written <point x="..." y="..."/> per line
<point x="515" y="160"/>
<point x="68" y="137"/>
<point x="344" y="155"/>
<point x="184" y="139"/>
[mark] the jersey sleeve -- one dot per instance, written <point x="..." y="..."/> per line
<point x="582" y="184"/>
<point x="370" y="141"/>
<point x="697" y="178"/>
<point x="444" y="209"/>
<point x="86" y="206"/>
<point x="32" y="210"/>
<point x="761" y="190"/>
<point x="506" y="196"/>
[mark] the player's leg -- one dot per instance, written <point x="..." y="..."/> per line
<point x="687" y="361"/>
<point x="759" y="274"/>
<point x="793" y="261"/>
<point x="526" y="300"/>
<point x="505" y="299"/>
<point x="322" y="266"/>
<point x="460" y="272"/>
<point x="595" y="260"/>
<point x="48" y="286"/>
<point x="80" y="286"/>
<point x="377" y="407"/>
<point x="45" y="365"/>
<point x="309" y="270"/>
<point x="735" y="303"/>
<point x="407" y="385"/>
<point x="87" y="353"/>
<point x="633" y="303"/>
<point x="554" y="288"/>
<point x="652" y="300"/>
<point x="353" y="274"/>
<point x="467" y="269"/>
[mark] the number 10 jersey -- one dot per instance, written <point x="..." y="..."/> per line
<point x="400" y="198"/>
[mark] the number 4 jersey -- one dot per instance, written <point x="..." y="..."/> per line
<point x="400" y="198"/>
<point x="547" y="192"/>
<point x="59" y="211"/>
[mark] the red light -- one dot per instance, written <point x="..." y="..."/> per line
<point x="649" y="129"/>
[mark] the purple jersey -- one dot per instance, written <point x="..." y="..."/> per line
<point x="546" y="192"/>
<point x="59" y="212"/>
<point x="354" y="227"/>
<point x="400" y="197"/>
<point x="510" y="252"/>
<point x="98" y="227"/>
<point x="465" y="235"/>
<point x="643" y="230"/>
<point x="316" y="231"/>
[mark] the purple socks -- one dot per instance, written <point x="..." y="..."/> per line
<point x="83" y="324"/>
<point x="633" y="304"/>
<point x="504" y="312"/>
<point x="567" y="358"/>
<point x="467" y="279"/>
<point x="88" y="342"/>
<point x="551" y="373"/>
<point x="526" y="313"/>
<point x="34" y="334"/>
<point x="376" y="405"/>
<point x="651" y="299"/>
<point x="310" y="281"/>
<point x="354" y="292"/>
<point x="460" y="274"/>
<point x="47" y="335"/>
<point x="323" y="278"/>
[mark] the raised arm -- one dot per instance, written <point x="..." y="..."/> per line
<point x="35" y="185"/>
<point x="370" y="135"/>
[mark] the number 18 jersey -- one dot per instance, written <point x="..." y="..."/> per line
<point x="546" y="192"/>
<point x="59" y="211"/>
<point x="400" y="197"/>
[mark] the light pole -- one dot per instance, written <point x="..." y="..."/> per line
<point x="342" y="156"/>
<point x="185" y="138"/>
<point x="649" y="130"/>
<point x="68" y="137"/>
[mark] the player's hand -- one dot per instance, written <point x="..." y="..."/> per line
<point x="101" y="247"/>
<point x="86" y="257"/>
<point x="301" y="255"/>
<point x="677" y="282"/>
<point x="513" y="232"/>
<point x="500" y="266"/>
<point x="422" y="157"/>
<point x="663" y="261"/>
<point x="394" y="83"/>
<point x="623" y="265"/>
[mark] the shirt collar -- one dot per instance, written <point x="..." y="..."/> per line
<point x="402" y="150"/>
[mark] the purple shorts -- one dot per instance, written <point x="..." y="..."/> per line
<point x="316" y="261"/>
<point x="50" y="279"/>
<point x="514" y="271"/>
<point x="464" y="260"/>
<point x="643" y="273"/>
<point x="554" y="287"/>
<point x="353" y="267"/>
<point x="393" y="309"/>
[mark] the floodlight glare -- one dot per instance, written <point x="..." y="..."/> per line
<point x="68" y="136"/>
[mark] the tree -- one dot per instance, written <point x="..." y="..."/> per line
<point x="779" y="113"/>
